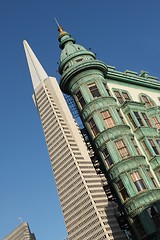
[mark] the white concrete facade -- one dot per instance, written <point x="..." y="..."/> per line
<point x="22" y="232"/>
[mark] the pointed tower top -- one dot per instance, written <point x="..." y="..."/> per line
<point x="37" y="72"/>
<point x="60" y="29"/>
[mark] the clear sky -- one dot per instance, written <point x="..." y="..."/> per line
<point x="125" y="34"/>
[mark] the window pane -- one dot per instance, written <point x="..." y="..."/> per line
<point x="156" y="122"/>
<point x="135" y="176"/>
<point x="146" y="120"/>
<point x="139" y="227"/>
<point x="119" y="97"/>
<point x="121" y="116"/>
<point x="122" y="149"/>
<point x="154" y="147"/>
<point x="138" y="181"/>
<point x="140" y="185"/>
<point x="107" y="157"/>
<point x="93" y="127"/>
<point x="152" y="178"/>
<point x="149" y="154"/>
<point x="80" y="98"/>
<point x="106" y="87"/>
<point x="94" y="90"/>
<point x="132" y="121"/>
<point x="126" y="96"/>
<point x="148" y="101"/>
<point x="122" y="190"/>
<point x="108" y="119"/>
<point x="139" y="118"/>
<point x="135" y="145"/>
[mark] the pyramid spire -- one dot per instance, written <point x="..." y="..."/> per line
<point x="37" y="72"/>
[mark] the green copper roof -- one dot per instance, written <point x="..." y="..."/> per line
<point x="70" y="49"/>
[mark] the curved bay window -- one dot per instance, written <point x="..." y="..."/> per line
<point x="138" y="181"/>
<point x="108" y="119"/>
<point x="147" y="100"/>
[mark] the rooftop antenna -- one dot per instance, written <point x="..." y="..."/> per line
<point x="20" y="219"/>
<point x="60" y="29"/>
<point x="56" y="22"/>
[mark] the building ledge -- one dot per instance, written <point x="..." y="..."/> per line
<point x="143" y="132"/>
<point x="126" y="165"/>
<point x="135" y="205"/>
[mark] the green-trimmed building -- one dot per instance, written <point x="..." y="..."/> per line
<point x="121" y="113"/>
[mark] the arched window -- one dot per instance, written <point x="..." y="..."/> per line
<point x="122" y="95"/>
<point x="147" y="100"/>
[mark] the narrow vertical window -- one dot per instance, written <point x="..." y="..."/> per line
<point x="152" y="178"/>
<point x="146" y="150"/>
<point x="138" y="181"/>
<point x="107" y="157"/>
<point x="93" y="127"/>
<point x="148" y="101"/>
<point x="138" y="118"/>
<point x="119" y="97"/>
<point x="80" y="98"/>
<point x="122" y="149"/>
<point x="131" y="120"/>
<point x="146" y="119"/>
<point x="121" y="116"/>
<point x="154" y="213"/>
<point x="156" y="122"/>
<point x="136" y="146"/>
<point x="154" y="147"/>
<point x="108" y="119"/>
<point x="158" y="142"/>
<point x="139" y="227"/>
<point x="126" y="96"/>
<point x="122" y="190"/>
<point x="106" y="87"/>
<point x="94" y="90"/>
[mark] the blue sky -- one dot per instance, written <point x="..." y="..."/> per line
<point x="125" y="34"/>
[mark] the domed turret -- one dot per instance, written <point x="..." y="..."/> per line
<point x="75" y="59"/>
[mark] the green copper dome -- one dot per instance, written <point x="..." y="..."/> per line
<point x="71" y="52"/>
<point x="70" y="49"/>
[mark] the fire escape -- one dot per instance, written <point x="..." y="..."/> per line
<point x="119" y="214"/>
